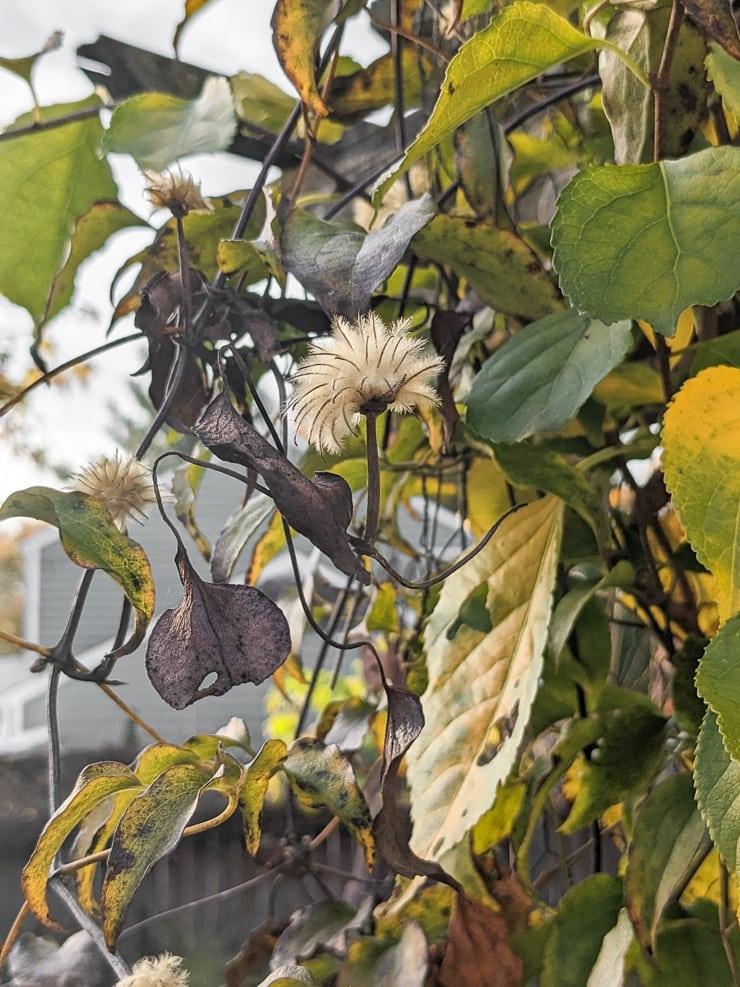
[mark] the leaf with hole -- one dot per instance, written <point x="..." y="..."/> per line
<point x="92" y="540"/>
<point x="482" y="685"/>
<point x="646" y="241"/>
<point x="234" y="633"/>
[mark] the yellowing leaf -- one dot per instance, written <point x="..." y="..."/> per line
<point x="96" y="783"/>
<point x="701" y="464"/>
<point x="501" y="268"/>
<point x="47" y="181"/>
<point x="522" y="41"/>
<point x="297" y="26"/>
<point x="191" y="9"/>
<point x="482" y="684"/>
<point x="254" y="788"/>
<point x="150" y="828"/>
<point x="324" y="776"/>
<point x="91" y="540"/>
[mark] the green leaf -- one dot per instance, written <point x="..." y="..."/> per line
<point x="668" y="843"/>
<point x="156" y="758"/>
<point x="383" y="612"/>
<point x="717" y="784"/>
<point x="688" y="954"/>
<point x="718" y="682"/>
<point x="629" y="105"/>
<point x="519" y="44"/>
<point x="342" y="266"/>
<point x="724" y="71"/>
<point x="701" y="465"/>
<point x="497" y="823"/>
<point x="633" y="385"/>
<point x="501" y="268"/>
<point x="529" y="466"/>
<point x="96" y="783"/>
<point x="381" y="962"/>
<point x="354" y="96"/>
<point x="323" y="776"/>
<point x="24" y="66"/>
<point x="584" y="917"/>
<point x="157" y="128"/>
<point x="241" y="526"/>
<point x="297" y="26"/>
<point x="47" y="181"/>
<point x="92" y="540"/>
<point x="647" y="241"/>
<point x="540" y="377"/>
<point x="482" y="685"/>
<point x="150" y="828"/>
<point x="254" y="788"/>
<point x="627" y="755"/>
<point x="90" y="232"/>
<point x="688" y="708"/>
<point x="723" y="351"/>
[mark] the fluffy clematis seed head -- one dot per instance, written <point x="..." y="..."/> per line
<point x="121" y="483"/>
<point x="157" y="971"/>
<point x="362" y="368"/>
<point x="174" y="190"/>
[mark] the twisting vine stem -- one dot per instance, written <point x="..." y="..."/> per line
<point x="372" y="519"/>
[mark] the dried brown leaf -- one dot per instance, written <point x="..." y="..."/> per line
<point x="235" y="631"/>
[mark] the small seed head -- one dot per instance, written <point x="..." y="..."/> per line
<point x="121" y="483"/>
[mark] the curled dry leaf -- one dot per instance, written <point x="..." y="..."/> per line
<point x="405" y="723"/>
<point x="158" y="318"/>
<point x="477" y="947"/>
<point x="319" y="508"/>
<point x="446" y="330"/>
<point x="235" y="631"/>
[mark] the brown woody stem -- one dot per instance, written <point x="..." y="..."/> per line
<point x="372" y="518"/>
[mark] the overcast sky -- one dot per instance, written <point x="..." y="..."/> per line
<point x="74" y="425"/>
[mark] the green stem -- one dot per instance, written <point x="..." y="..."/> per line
<point x="372" y="519"/>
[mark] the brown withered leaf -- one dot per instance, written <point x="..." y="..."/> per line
<point x="405" y="723"/>
<point x="157" y="317"/>
<point x="715" y="20"/>
<point x="478" y="953"/>
<point x="446" y="330"/>
<point x="319" y="508"/>
<point x="235" y="631"/>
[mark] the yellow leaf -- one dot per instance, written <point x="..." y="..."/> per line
<point x="482" y="682"/>
<point x="701" y="464"/>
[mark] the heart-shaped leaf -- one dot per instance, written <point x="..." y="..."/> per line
<point x="233" y="631"/>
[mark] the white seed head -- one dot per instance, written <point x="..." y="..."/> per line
<point x="362" y="368"/>
<point x="174" y="190"/>
<point x="121" y="483"/>
<point x="157" y="971"/>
